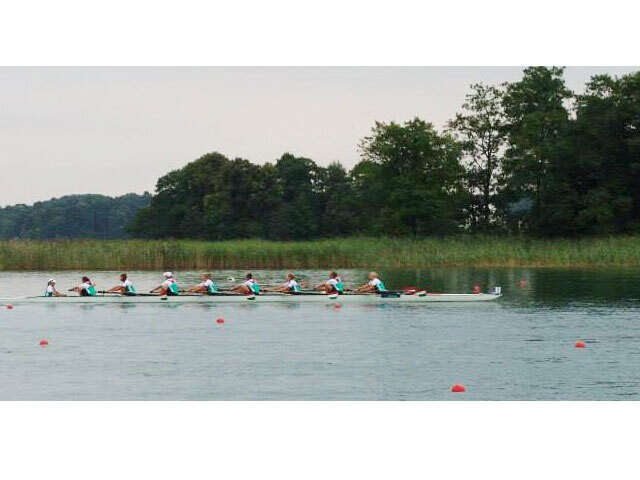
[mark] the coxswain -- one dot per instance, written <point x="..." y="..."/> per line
<point x="51" y="290"/>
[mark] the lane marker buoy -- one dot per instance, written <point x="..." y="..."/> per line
<point x="458" y="388"/>
<point x="580" y="344"/>
<point x="337" y="306"/>
<point x="44" y="343"/>
<point x="220" y="320"/>
<point x="9" y="307"/>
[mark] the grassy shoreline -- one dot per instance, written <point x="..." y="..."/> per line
<point x="332" y="253"/>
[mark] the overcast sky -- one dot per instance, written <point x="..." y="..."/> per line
<point x="116" y="130"/>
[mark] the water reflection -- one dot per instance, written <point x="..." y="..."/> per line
<point x="535" y="287"/>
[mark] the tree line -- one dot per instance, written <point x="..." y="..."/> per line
<point x="528" y="157"/>
<point x="72" y="216"/>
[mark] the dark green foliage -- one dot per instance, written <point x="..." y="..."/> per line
<point x="581" y="175"/>
<point x="537" y="124"/>
<point x="298" y="184"/>
<point x="216" y="198"/>
<point x="527" y="157"/>
<point x="407" y="184"/>
<point x="73" y="216"/>
<point x="605" y="149"/>
<point x="416" y="177"/>
<point x="482" y="133"/>
<point x="336" y="202"/>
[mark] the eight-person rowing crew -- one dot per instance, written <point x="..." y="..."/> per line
<point x="169" y="286"/>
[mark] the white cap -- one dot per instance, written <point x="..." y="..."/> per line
<point x="168" y="274"/>
<point x="51" y="280"/>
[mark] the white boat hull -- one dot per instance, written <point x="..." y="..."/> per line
<point x="265" y="298"/>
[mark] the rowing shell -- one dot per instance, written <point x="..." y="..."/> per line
<point x="418" y="298"/>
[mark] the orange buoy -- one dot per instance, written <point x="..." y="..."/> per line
<point x="458" y="388"/>
<point x="220" y="320"/>
<point x="476" y="288"/>
<point x="580" y="344"/>
<point x="9" y="307"/>
<point x="44" y="343"/>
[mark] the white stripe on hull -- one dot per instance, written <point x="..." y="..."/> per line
<point x="265" y="298"/>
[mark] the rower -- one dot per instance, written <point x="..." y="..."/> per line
<point x="374" y="285"/>
<point x="206" y="287"/>
<point x="290" y="286"/>
<point x="86" y="289"/>
<point x="248" y="287"/>
<point x="51" y="290"/>
<point x="168" y="287"/>
<point x="333" y="285"/>
<point x="126" y="286"/>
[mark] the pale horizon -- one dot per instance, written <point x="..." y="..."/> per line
<point x="116" y="130"/>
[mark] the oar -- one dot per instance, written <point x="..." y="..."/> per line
<point x="104" y="292"/>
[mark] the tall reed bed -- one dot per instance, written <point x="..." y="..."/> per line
<point x="339" y="253"/>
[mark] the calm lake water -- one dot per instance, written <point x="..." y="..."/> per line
<point x="518" y="348"/>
